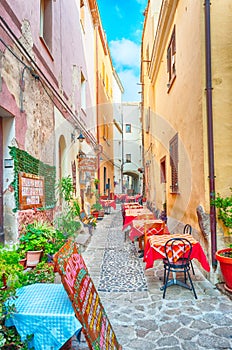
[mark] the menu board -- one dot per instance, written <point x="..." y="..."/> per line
<point x="85" y="299"/>
<point x="31" y="191"/>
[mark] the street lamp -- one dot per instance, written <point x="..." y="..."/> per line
<point x="81" y="137"/>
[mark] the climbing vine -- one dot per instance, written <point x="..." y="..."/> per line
<point x="24" y="162"/>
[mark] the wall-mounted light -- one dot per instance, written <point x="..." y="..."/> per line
<point x="81" y="137"/>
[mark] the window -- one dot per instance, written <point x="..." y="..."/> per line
<point x="163" y="170"/>
<point x="171" y="59"/>
<point x="147" y="120"/>
<point x="128" y="128"/>
<point x="128" y="158"/>
<point x="83" y="92"/>
<point x="105" y="130"/>
<point x="174" y="163"/>
<point x="46" y="22"/>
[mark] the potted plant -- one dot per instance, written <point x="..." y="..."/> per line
<point x="97" y="210"/>
<point x="39" y="240"/>
<point x="224" y="256"/>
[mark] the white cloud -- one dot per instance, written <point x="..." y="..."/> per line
<point x="117" y="10"/>
<point x="125" y="53"/>
<point x="130" y="82"/>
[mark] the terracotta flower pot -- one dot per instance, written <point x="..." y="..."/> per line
<point x="33" y="257"/>
<point x="23" y="262"/>
<point x="95" y="214"/>
<point x="226" y="266"/>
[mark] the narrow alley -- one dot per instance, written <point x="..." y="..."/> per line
<point x="132" y="299"/>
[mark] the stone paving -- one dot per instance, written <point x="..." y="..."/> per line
<point x="143" y="319"/>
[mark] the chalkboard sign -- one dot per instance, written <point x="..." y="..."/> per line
<point x="85" y="299"/>
<point x="31" y="191"/>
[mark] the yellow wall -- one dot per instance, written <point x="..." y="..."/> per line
<point x="222" y="91"/>
<point x="104" y="110"/>
<point x="182" y="109"/>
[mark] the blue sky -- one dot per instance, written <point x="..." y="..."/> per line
<point x="122" y="21"/>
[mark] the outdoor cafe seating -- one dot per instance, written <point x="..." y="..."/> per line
<point x="188" y="230"/>
<point x="53" y="313"/>
<point x="156" y="249"/>
<point x="44" y="311"/>
<point x="178" y="257"/>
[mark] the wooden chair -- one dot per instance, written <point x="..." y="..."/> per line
<point x="155" y="228"/>
<point x="145" y="216"/>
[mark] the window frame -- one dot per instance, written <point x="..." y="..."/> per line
<point x="171" y="59"/>
<point x="163" y="177"/>
<point x="128" y="157"/>
<point x="46" y="23"/>
<point x="126" y="128"/>
<point x="174" y="159"/>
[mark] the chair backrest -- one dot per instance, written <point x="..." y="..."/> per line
<point x="187" y="229"/>
<point x="155" y="228"/>
<point x="176" y="248"/>
<point x="145" y="216"/>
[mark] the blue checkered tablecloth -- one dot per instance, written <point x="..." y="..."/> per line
<point x="44" y="310"/>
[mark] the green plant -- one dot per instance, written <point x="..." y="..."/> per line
<point x="36" y="236"/>
<point x="41" y="236"/>
<point x="65" y="188"/>
<point x="42" y="273"/>
<point x="224" y="205"/>
<point x="96" y="181"/>
<point x="67" y="226"/>
<point x="96" y="206"/>
<point x="15" y="277"/>
<point x="11" y="272"/>
<point x="12" y="277"/>
<point x="69" y="220"/>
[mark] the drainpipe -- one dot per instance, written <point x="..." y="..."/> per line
<point x="210" y="132"/>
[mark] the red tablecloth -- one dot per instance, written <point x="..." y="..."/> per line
<point x="154" y="250"/>
<point x="131" y="214"/>
<point x="135" y="198"/>
<point x="137" y="227"/>
<point x="120" y="196"/>
<point x="108" y="203"/>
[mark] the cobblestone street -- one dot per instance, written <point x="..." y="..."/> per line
<point x="131" y="296"/>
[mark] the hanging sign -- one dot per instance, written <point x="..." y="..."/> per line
<point x="85" y="299"/>
<point x="88" y="164"/>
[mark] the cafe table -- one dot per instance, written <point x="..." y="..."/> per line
<point x="131" y="214"/>
<point x="44" y="310"/>
<point x="154" y="250"/>
<point x="108" y="203"/>
<point x="138" y="225"/>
